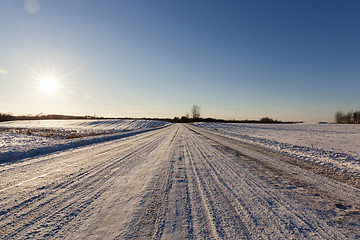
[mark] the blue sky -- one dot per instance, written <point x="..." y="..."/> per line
<point x="289" y="60"/>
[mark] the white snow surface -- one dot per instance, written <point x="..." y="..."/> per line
<point x="15" y="144"/>
<point x="332" y="145"/>
<point x="176" y="182"/>
<point x="117" y="125"/>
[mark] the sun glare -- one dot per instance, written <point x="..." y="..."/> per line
<point x="48" y="85"/>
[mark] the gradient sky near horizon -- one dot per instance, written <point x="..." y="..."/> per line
<point x="288" y="60"/>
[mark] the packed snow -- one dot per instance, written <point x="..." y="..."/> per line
<point x="332" y="145"/>
<point x="176" y="182"/>
<point x="19" y="139"/>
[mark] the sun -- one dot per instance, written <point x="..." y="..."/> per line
<point x="48" y="84"/>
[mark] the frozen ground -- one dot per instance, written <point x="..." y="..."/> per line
<point x="175" y="182"/>
<point x="19" y="139"/>
<point x="332" y="145"/>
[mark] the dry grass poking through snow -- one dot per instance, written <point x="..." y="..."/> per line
<point x="52" y="133"/>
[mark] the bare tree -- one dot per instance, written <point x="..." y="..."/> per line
<point x="349" y="117"/>
<point x="356" y="117"/>
<point x="339" y="117"/>
<point x="195" y="111"/>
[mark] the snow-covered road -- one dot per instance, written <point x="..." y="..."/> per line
<point x="178" y="182"/>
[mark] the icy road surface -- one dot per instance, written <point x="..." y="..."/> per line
<point x="179" y="182"/>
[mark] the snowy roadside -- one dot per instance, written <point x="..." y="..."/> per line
<point x="53" y="135"/>
<point x="332" y="146"/>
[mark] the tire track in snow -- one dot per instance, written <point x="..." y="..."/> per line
<point x="6" y="168"/>
<point x="69" y="195"/>
<point x="226" y="219"/>
<point x="171" y="184"/>
<point x="198" y="185"/>
<point x="149" y="220"/>
<point x="90" y="171"/>
<point x="274" y="199"/>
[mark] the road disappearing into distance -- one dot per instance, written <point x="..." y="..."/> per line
<point x="178" y="182"/>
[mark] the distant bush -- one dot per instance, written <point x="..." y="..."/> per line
<point x="268" y="120"/>
<point x="6" y="117"/>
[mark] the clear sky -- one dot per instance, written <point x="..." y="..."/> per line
<point x="285" y="59"/>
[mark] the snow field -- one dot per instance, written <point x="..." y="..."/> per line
<point x="83" y="126"/>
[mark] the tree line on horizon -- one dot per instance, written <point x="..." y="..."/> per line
<point x="194" y="117"/>
<point x="347" y="118"/>
<point x="10" y="117"/>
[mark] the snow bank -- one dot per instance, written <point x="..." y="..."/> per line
<point x="331" y="145"/>
<point x="15" y="144"/>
